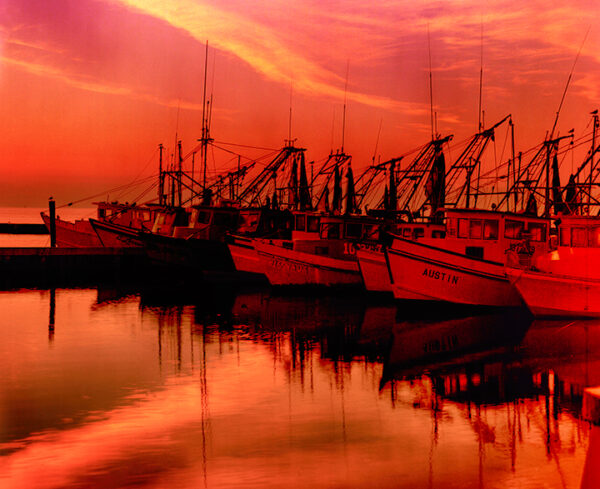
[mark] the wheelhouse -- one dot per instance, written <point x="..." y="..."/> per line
<point x="579" y="232"/>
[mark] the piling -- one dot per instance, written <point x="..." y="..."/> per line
<point x="52" y="207"/>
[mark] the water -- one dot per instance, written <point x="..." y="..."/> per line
<point x="219" y="388"/>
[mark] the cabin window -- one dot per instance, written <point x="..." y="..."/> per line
<point x="595" y="237"/>
<point x="438" y="234"/>
<point x="579" y="237"/>
<point x="224" y="219"/>
<point x="490" y="229"/>
<point x="146" y="215"/>
<point x="331" y="230"/>
<point x="181" y="219"/>
<point x="203" y="217"/>
<point x="312" y="224"/>
<point x="476" y="229"/>
<point x="513" y="229"/>
<point x="321" y="250"/>
<point x="370" y="231"/>
<point x="300" y="222"/>
<point x="248" y="222"/>
<point x="564" y="237"/>
<point x="463" y="228"/>
<point x="418" y="233"/>
<point x="451" y="226"/>
<point x="537" y="230"/>
<point x="474" y="251"/>
<point x="406" y="232"/>
<point x="353" y="230"/>
<point x="101" y="213"/>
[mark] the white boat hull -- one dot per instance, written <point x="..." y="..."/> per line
<point x="244" y="255"/>
<point x="283" y="266"/>
<point x="429" y="273"/>
<point x="374" y="269"/>
<point x="548" y="294"/>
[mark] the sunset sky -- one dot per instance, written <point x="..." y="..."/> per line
<point x="89" y="88"/>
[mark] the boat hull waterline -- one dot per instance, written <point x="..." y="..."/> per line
<point x="430" y="273"/>
<point x="374" y="269"/>
<point x="290" y="267"/>
<point x="552" y="295"/>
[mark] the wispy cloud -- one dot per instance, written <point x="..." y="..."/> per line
<point x="260" y="46"/>
<point x="76" y="81"/>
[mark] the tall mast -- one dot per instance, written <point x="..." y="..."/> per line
<point x="479" y="124"/>
<point x="567" y="84"/>
<point x="512" y="146"/>
<point x="204" y="125"/>
<point x="345" y="98"/>
<point x="179" y="173"/>
<point x="290" y="119"/>
<point x="161" y="176"/>
<point x="595" y="127"/>
<point x="430" y="85"/>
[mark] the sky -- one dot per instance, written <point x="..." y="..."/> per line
<point x="90" y="88"/>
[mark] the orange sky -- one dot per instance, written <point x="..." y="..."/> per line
<point x="89" y="88"/>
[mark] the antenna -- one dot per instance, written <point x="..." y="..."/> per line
<point x="204" y="128"/>
<point x="332" y="127"/>
<point x="479" y="124"/>
<point x="377" y="140"/>
<point x="430" y="85"/>
<point x="290" y="121"/>
<point x="568" y="81"/>
<point x="345" y="97"/>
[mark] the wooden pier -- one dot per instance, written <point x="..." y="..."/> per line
<point x="22" y="228"/>
<point x="39" y="267"/>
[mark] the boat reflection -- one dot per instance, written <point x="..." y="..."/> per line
<point x="247" y="380"/>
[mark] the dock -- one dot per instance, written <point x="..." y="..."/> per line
<point x="39" y="267"/>
<point x="22" y="228"/>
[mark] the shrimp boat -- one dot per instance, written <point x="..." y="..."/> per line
<point x="372" y="258"/>
<point x="467" y="265"/>
<point x="80" y="233"/>
<point x="257" y="222"/>
<point x="321" y="251"/>
<point x="566" y="280"/>
<point x="425" y="173"/>
<point x="193" y="236"/>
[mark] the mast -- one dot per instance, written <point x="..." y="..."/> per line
<point x="592" y="165"/>
<point x="345" y="98"/>
<point x="161" y="176"/>
<point x="430" y="85"/>
<point x="479" y="124"/>
<point x="179" y="173"/>
<point x="192" y="179"/>
<point x="512" y="147"/>
<point x="204" y="139"/>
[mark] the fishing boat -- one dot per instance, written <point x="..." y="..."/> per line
<point x="321" y="251"/>
<point x="466" y="266"/>
<point x="80" y="233"/>
<point x="372" y="258"/>
<point x="253" y="223"/>
<point x="565" y="281"/>
<point x="192" y="236"/>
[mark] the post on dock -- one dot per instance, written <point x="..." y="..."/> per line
<point x="52" y="207"/>
<point x="52" y="314"/>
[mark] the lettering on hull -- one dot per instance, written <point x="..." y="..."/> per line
<point x="437" y="275"/>
<point x="278" y="264"/>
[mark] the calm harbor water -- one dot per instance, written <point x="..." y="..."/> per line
<point x="212" y="387"/>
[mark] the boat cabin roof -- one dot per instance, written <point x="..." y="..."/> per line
<point x="490" y="214"/>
